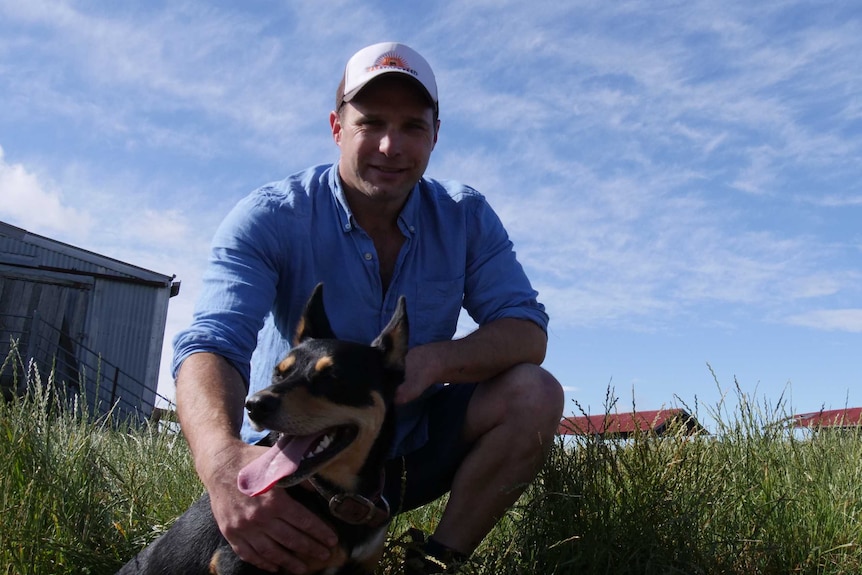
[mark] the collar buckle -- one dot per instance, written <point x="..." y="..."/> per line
<point x="358" y="510"/>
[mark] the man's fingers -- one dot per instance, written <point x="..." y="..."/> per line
<point x="293" y="538"/>
<point x="269" y="556"/>
<point x="307" y="533"/>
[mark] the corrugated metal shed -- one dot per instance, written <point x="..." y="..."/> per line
<point x="87" y="313"/>
<point x="623" y="425"/>
<point x="848" y="417"/>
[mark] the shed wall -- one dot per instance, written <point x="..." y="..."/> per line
<point x="86" y="304"/>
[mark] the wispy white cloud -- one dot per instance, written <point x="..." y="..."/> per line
<point x="849" y="320"/>
<point x="834" y="200"/>
<point x="160" y="228"/>
<point x="28" y="201"/>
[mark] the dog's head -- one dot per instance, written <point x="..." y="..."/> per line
<point x="328" y="400"/>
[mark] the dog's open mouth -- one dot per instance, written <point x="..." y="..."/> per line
<point x="293" y="459"/>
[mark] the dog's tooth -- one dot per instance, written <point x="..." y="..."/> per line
<point x="324" y="443"/>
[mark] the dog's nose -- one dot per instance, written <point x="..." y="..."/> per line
<point x="260" y="405"/>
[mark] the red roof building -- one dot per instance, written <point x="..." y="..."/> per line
<point x="624" y="425"/>
<point x="848" y="417"/>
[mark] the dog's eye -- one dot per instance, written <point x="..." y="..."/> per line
<point x="324" y="364"/>
<point x="284" y="366"/>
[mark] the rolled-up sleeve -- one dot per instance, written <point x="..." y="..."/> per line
<point x="496" y="285"/>
<point x="239" y="286"/>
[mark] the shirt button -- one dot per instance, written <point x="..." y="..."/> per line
<point x="368" y="256"/>
<point x="412" y="228"/>
<point x="347" y="227"/>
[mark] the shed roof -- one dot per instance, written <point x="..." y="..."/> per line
<point x="847" y="417"/>
<point x="22" y="249"/>
<point x="625" y="424"/>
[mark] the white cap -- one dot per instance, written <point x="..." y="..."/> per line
<point x="384" y="58"/>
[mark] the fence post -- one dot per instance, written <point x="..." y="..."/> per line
<point x="114" y="387"/>
<point x="32" y="348"/>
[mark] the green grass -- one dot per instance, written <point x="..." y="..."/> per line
<point x="79" y="496"/>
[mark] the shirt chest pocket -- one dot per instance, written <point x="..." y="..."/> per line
<point x="437" y="307"/>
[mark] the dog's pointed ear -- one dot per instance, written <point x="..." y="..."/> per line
<point x="394" y="337"/>
<point x="314" y="323"/>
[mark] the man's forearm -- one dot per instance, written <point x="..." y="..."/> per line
<point x="488" y="351"/>
<point x="210" y="398"/>
<point x="493" y="348"/>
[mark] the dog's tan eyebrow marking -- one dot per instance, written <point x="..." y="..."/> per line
<point x="286" y="364"/>
<point x="323" y="363"/>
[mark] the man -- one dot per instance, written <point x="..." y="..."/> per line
<point x="372" y="228"/>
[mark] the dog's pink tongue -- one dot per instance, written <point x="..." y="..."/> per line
<point x="281" y="460"/>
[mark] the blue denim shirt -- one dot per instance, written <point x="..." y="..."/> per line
<point x="284" y="238"/>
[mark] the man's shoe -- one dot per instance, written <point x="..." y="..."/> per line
<point x="424" y="556"/>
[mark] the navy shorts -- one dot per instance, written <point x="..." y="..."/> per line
<point x="420" y="477"/>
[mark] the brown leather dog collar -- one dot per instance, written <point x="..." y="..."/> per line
<point x="354" y="508"/>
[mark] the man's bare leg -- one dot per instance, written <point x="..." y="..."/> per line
<point x="512" y="420"/>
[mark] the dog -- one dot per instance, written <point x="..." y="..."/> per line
<point x="330" y="412"/>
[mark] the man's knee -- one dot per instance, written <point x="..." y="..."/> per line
<point x="533" y="398"/>
<point x="542" y="393"/>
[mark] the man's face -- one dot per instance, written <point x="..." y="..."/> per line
<point x="386" y="135"/>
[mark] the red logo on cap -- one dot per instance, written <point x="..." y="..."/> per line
<point x="392" y="60"/>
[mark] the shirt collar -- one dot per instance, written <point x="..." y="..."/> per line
<point x="407" y="219"/>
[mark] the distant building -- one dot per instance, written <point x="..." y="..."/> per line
<point x="847" y="418"/>
<point x="625" y="425"/>
<point x="94" y="322"/>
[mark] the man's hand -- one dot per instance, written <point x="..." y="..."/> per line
<point x="271" y="530"/>
<point x="421" y="372"/>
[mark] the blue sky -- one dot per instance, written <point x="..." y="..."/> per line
<point x="682" y="180"/>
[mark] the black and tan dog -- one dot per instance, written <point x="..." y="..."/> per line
<point x="330" y="408"/>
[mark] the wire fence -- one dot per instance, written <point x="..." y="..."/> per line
<point x="34" y="350"/>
